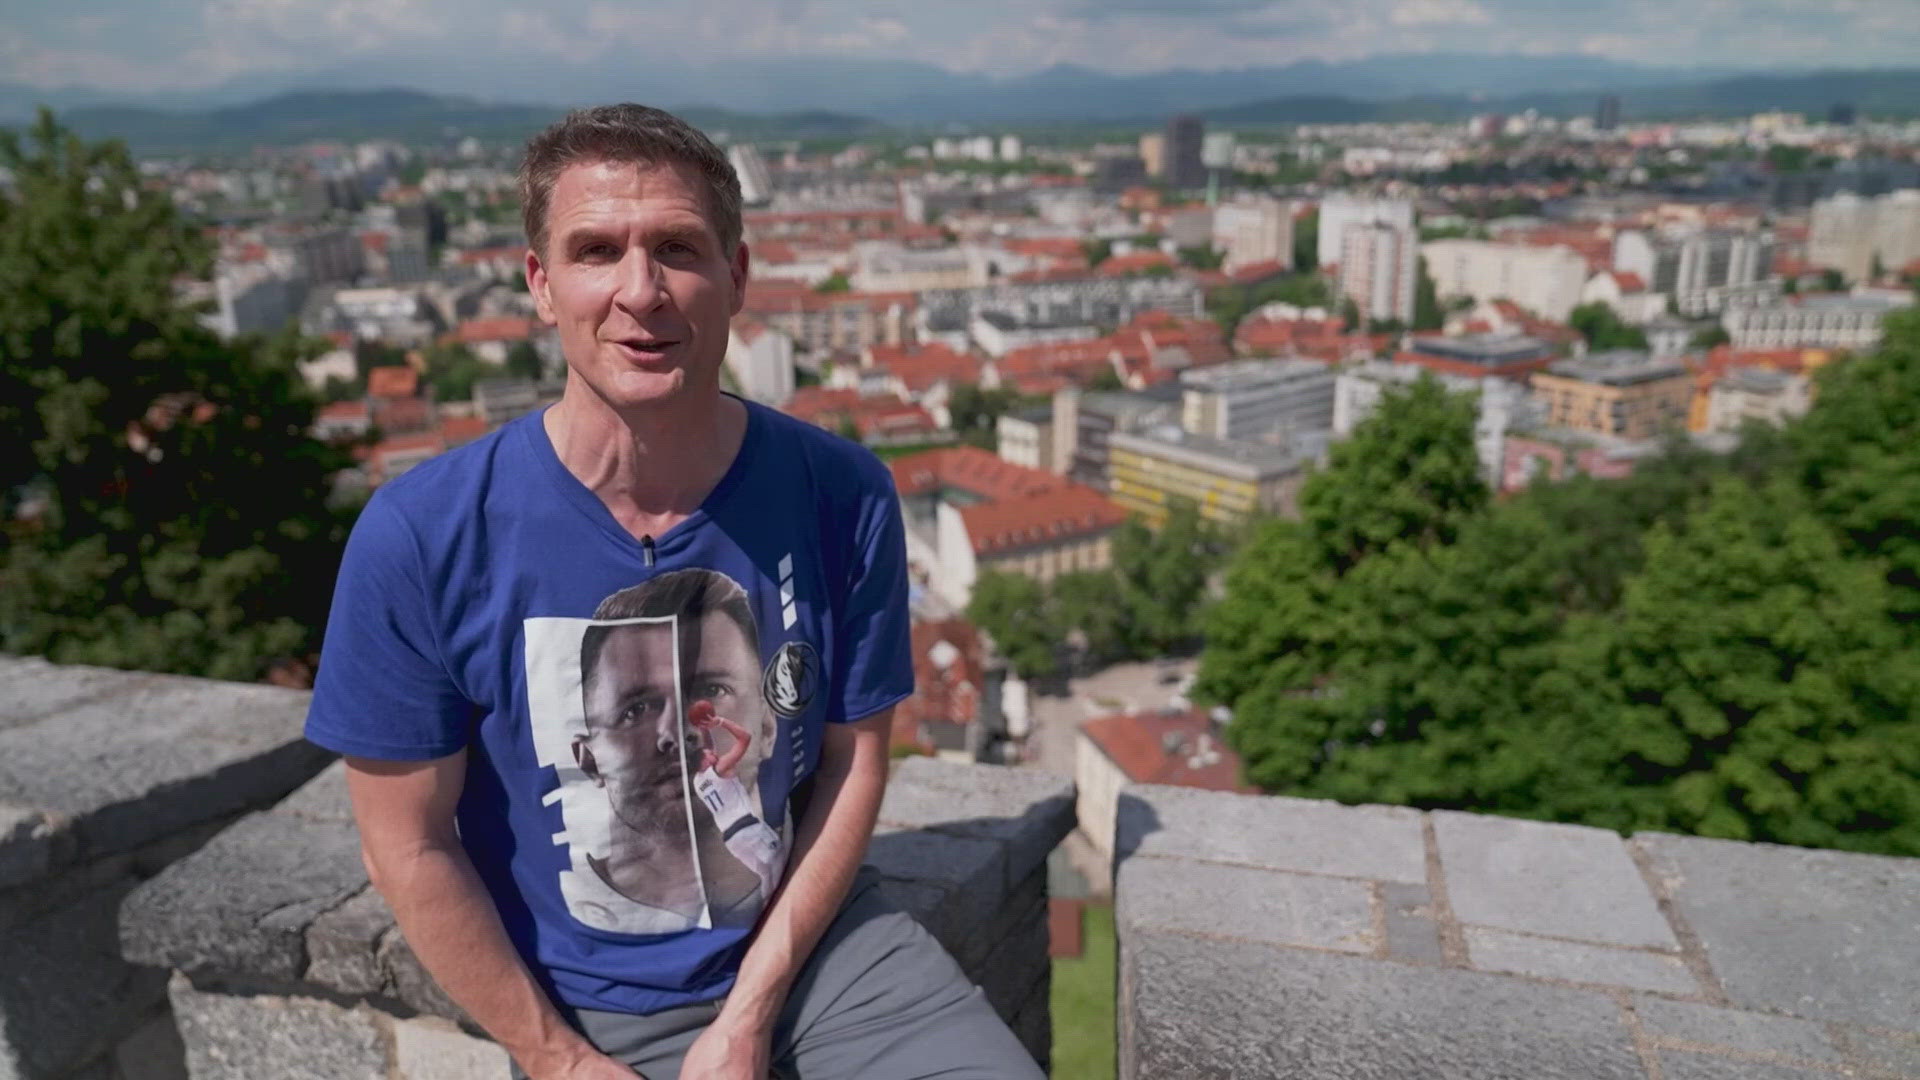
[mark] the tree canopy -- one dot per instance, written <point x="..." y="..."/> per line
<point x="164" y="506"/>
<point x="1716" y="644"/>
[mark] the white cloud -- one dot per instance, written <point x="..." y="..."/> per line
<point x="1439" y="13"/>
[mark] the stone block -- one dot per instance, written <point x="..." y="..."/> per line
<point x="153" y="1052"/>
<point x="1548" y="958"/>
<point x="323" y="798"/>
<point x="66" y="996"/>
<point x="1825" y="935"/>
<point x="167" y="754"/>
<point x="1693" y="1065"/>
<point x="1413" y="935"/>
<point x="1383" y="843"/>
<point x="431" y="1049"/>
<point x="32" y="689"/>
<point x="1027" y="810"/>
<point x="243" y="902"/>
<point x="343" y="945"/>
<point x="266" y="1037"/>
<point x="1566" y="881"/>
<point x="1896" y="1054"/>
<point x="1251" y="905"/>
<point x="973" y="868"/>
<point x="29" y="841"/>
<point x="1733" y="1029"/>
<point x="1203" y="1008"/>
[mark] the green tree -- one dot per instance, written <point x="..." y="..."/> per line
<point x="1161" y="579"/>
<point x="1087" y="605"/>
<point x="164" y="507"/>
<point x="1201" y="258"/>
<point x="1013" y="608"/>
<point x="1409" y="473"/>
<point x="1754" y="685"/>
<point x="1097" y="250"/>
<point x="1427" y="312"/>
<point x="835" y="283"/>
<point x="453" y="369"/>
<point x="1306" y="242"/>
<point x="1711" y="338"/>
<point x="523" y="361"/>
<point x="974" y="411"/>
<point x="1859" y="456"/>
<point x="1604" y="329"/>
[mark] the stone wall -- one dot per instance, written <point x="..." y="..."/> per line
<point x="105" y="778"/>
<point x="1280" y="937"/>
<point x="287" y="964"/>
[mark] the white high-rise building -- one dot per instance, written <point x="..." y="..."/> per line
<point x="1254" y="231"/>
<point x="1546" y="281"/>
<point x="1377" y="269"/>
<point x="1706" y="271"/>
<point x="1339" y="211"/>
<point x="760" y="359"/>
<point x="1010" y="148"/>
<point x="1849" y="232"/>
<point x="755" y="185"/>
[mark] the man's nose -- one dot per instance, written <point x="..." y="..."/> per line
<point x="666" y="734"/>
<point x="641" y="287"/>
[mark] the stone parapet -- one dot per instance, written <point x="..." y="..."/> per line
<point x="287" y="963"/>
<point x="1281" y="937"/>
<point x="105" y="778"/>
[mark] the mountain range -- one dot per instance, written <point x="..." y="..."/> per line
<point x="849" y="98"/>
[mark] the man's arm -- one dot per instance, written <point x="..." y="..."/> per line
<point x="829" y="841"/>
<point x="414" y="856"/>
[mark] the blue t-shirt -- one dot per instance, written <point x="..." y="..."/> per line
<point x="637" y="713"/>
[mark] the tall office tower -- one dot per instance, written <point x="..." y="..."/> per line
<point x="1841" y="114"/>
<point x="1377" y="266"/>
<point x="1153" y="153"/>
<point x="1339" y="211"/>
<point x="1184" y="168"/>
<point x="1607" y="116"/>
<point x="755" y="185"/>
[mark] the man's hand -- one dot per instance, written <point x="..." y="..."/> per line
<point x="591" y="1066"/>
<point x="729" y="1050"/>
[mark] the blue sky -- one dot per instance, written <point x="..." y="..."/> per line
<point x="168" y="45"/>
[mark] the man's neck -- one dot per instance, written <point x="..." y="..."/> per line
<point x="653" y="467"/>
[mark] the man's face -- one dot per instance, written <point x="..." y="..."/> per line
<point x="634" y="744"/>
<point x="636" y="738"/>
<point x="726" y="672"/>
<point x="636" y="280"/>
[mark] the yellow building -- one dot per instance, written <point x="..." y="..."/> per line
<point x="1621" y="393"/>
<point x="1227" y="481"/>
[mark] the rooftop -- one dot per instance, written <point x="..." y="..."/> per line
<point x="970" y="469"/>
<point x="1247" y="374"/>
<point x="1250" y="459"/>
<point x="1618" y="367"/>
<point x="1490" y="350"/>
<point x="1068" y="512"/>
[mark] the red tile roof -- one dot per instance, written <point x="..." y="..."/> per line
<point x="920" y="368"/>
<point x="461" y="430"/>
<point x="1140" y="744"/>
<point x="969" y="469"/>
<point x="1069" y="512"/>
<point x="393" y="381"/>
<point x="949" y="673"/>
<point x="497" y="328"/>
<point x="1134" y="262"/>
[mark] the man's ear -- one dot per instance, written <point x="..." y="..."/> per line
<point x="739" y="267"/>
<point x="583" y="757"/>
<point x="537" y="287"/>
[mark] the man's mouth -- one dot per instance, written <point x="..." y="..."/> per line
<point x="646" y="348"/>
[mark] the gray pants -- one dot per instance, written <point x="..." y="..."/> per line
<point x="879" y="999"/>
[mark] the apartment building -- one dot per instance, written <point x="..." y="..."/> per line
<point x="1273" y="400"/>
<point x="1831" y="320"/>
<point x="1378" y="265"/>
<point x="1851" y="233"/>
<point x="1227" y="481"/>
<point x="1547" y="281"/>
<point x="1621" y="393"/>
<point x="1705" y="271"/>
<point x="1339" y="211"/>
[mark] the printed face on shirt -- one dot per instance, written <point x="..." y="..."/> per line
<point x="636" y="281"/>
<point x="636" y="744"/>
<point x="724" y="671"/>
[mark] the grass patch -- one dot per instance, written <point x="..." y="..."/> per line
<point x="1083" y="1003"/>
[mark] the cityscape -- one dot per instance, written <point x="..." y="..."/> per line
<point x="1549" y="453"/>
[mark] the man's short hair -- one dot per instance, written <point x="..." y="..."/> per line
<point x="690" y="594"/>
<point x="626" y="134"/>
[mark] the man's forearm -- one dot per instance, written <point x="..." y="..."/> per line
<point x="452" y="926"/>
<point x="829" y="841"/>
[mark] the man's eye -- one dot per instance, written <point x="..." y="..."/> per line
<point x="712" y="691"/>
<point x="678" y="248"/>
<point x="639" y="712"/>
<point x="596" y="251"/>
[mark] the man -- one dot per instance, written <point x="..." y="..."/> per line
<point x="553" y="762"/>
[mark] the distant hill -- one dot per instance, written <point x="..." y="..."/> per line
<point x="1875" y="93"/>
<point x="408" y="115"/>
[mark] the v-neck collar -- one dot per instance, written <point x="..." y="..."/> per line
<point x="584" y="500"/>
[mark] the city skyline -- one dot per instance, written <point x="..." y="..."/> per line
<point x="186" y="46"/>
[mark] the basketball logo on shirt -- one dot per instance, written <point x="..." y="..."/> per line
<point x="792" y="679"/>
